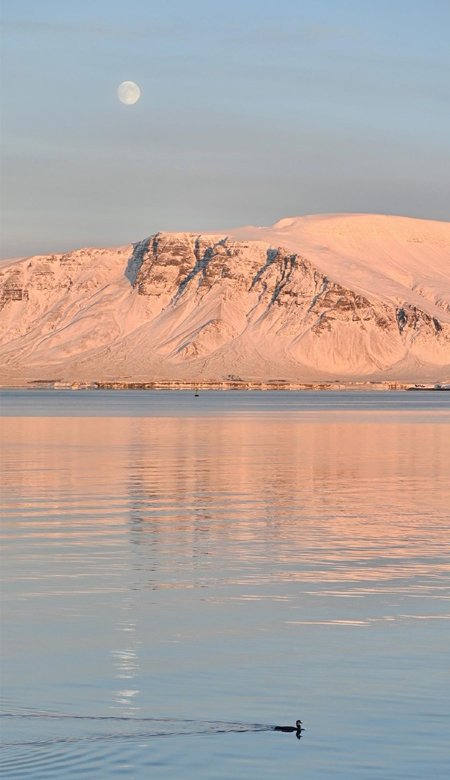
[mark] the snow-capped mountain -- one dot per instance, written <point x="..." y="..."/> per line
<point x="312" y="298"/>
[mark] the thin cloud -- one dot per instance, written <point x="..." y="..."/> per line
<point x="88" y="28"/>
<point x="298" y="34"/>
<point x="100" y="29"/>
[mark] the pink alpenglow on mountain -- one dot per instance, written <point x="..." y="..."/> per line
<point x="339" y="296"/>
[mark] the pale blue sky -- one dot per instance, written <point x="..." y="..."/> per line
<point x="250" y="111"/>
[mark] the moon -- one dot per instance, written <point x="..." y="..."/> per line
<point x="128" y="92"/>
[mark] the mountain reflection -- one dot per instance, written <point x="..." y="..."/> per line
<point x="355" y="499"/>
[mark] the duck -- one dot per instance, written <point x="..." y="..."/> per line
<point x="289" y="729"/>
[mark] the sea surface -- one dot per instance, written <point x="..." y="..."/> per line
<point x="182" y="574"/>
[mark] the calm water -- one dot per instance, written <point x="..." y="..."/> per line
<point x="181" y="574"/>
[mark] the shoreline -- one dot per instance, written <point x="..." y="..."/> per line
<point x="235" y="384"/>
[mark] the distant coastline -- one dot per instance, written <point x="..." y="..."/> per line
<point x="226" y="384"/>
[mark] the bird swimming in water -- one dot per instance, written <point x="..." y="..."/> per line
<point x="289" y="729"/>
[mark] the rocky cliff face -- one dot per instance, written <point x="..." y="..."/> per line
<point x="204" y="306"/>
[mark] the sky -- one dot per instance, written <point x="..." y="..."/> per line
<point x="250" y="111"/>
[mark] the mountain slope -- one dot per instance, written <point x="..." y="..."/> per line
<point x="394" y="258"/>
<point x="340" y="296"/>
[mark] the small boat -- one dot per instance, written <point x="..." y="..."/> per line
<point x="196" y="392"/>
